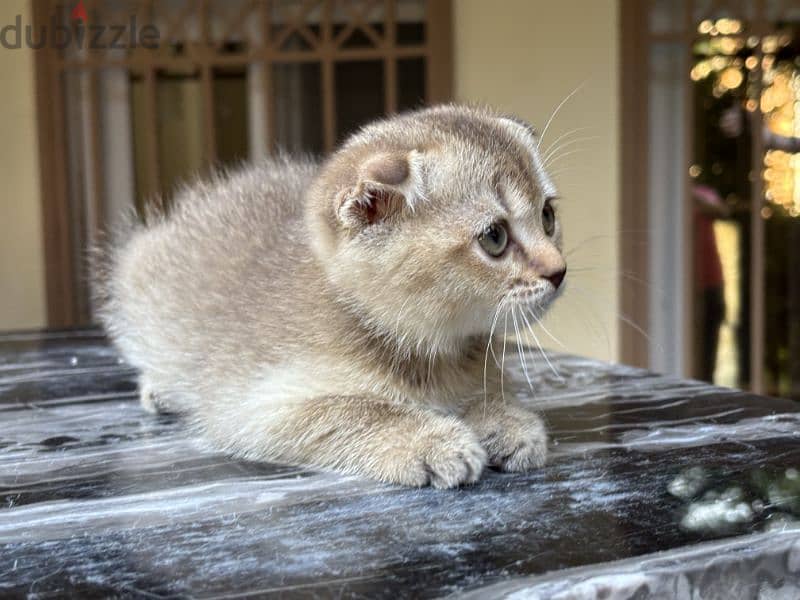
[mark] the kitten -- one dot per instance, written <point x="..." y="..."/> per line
<point x="338" y="315"/>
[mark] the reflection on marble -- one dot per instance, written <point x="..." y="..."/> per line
<point x="657" y="487"/>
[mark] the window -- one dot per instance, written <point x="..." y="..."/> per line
<point x="159" y="91"/>
<point x="712" y="179"/>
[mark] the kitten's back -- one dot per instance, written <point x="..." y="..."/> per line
<point x="185" y="282"/>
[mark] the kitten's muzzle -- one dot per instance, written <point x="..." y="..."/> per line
<point x="556" y="277"/>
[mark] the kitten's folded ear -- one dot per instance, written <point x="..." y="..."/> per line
<point x="388" y="186"/>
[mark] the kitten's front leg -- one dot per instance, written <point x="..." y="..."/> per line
<point x="514" y="438"/>
<point x="399" y="444"/>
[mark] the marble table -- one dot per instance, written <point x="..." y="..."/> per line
<point x="657" y="487"/>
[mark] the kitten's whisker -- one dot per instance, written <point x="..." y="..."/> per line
<point x="525" y="323"/>
<point x="603" y="271"/>
<point x="638" y="328"/>
<point x="519" y="347"/>
<point x="555" y="112"/>
<point x="572" y="179"/>
<point x="500" y="307"/>
<point x="630" y="322"/>
<point x="567" y="144"/>
<point x="547" y="331"/>
<point x="503" y="361"/>
<point x="486" y="357"/>
<point x="564" y="155"/>
<point x="565" y="135"/>
<point x="604" y="236"/>
<point x="592" y="320"/>
<point x="541" y="349"/>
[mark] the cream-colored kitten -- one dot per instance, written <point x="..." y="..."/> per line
<point x="338" y="315"/>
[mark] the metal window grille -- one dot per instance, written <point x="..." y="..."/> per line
<point x="120" y="123"/>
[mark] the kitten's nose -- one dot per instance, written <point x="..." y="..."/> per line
<point x="556" y="277"/>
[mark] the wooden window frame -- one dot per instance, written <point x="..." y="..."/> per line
<point x="636" y="42"/>
<point x="65" y="287"/>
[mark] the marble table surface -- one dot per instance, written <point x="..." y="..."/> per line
<point x="657" y="487"/>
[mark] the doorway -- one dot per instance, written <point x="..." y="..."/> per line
<point x="711" y="94"/>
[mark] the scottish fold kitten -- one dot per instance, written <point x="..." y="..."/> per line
<point x="337" y="315"/>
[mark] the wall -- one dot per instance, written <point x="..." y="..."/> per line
<point x="22" y="295"/>
<point x="525" y="57"/>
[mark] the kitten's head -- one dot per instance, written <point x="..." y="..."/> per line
<point x="429" y="221"/>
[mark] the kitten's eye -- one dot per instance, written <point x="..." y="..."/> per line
<point x="494" y="239"/>
<point x="548" y="218"/>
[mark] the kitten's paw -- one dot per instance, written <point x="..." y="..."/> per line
<point x="518" y="443"/>
<point x="452" y="464"/>
<point x="446" y="457"/>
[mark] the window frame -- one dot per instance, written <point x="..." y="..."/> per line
<point x="69" y="229"/>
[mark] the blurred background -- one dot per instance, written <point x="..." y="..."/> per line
<point x="673" y="140"/>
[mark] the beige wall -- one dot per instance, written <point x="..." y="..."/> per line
<point x="525" y="56"/>
<point x="22" y="298"/>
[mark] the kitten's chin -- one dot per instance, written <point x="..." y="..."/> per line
<point x="536" y="301"/>
<point x="546" y="301"/>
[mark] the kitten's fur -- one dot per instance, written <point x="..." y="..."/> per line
<point x="338" y="315"/>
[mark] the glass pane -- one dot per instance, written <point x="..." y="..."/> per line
<point x="410" y="22"/>
<point x="228" y="22"/>
<point x="780" y="103"/>
<point x="667" y="16"/>
<point x="345" y="11"/>
<point x="782" y="318"/>
<point x="285" y="13"/>
<point x="410" y="83"/>
<point x="230" y="115"/>
<point x="179" y="111"/>
<point x="729" y="93"/>
<point x="358" y="38"/>
<point x="722" y="202"/>
<point x="298" y="113"/>
<point x="117" y="144"/>
<point x="179" y="130"/>
<point x="359" y="95"/>
<point x="709" y="12"/>
<point x="293" y="42"/>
